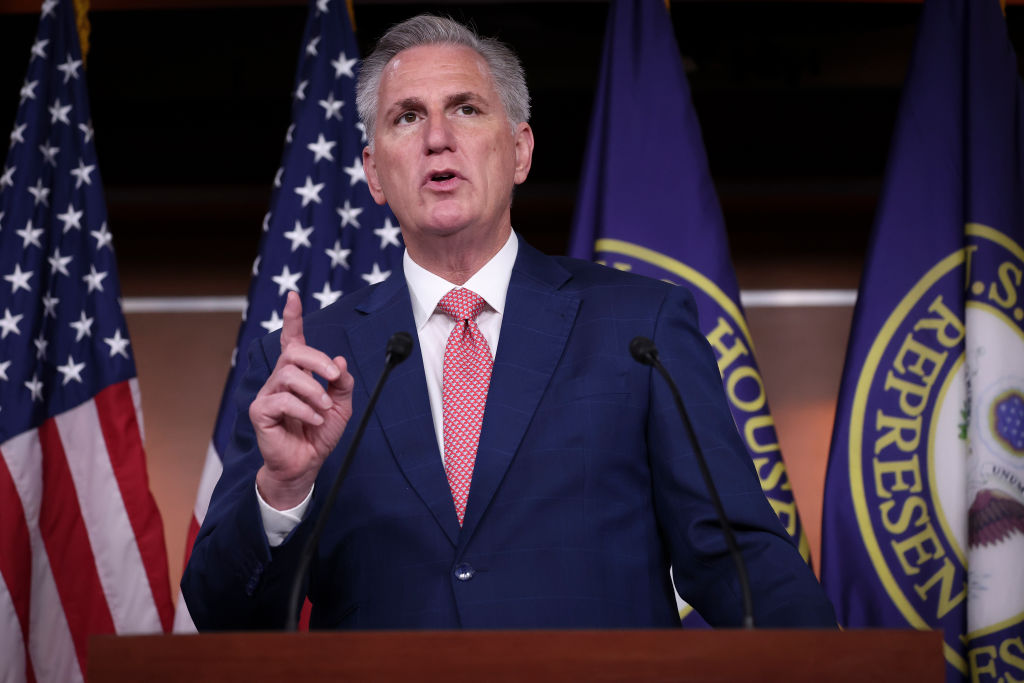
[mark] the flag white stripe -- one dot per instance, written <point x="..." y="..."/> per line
<point x="212" y="469"/>
<point x="115" y="551"/>
<point x="49" y="640"/>
<point x="12" y="647"/>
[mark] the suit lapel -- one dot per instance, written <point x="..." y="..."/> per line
<point x="403" y="408"/>
<point x="534" y="329"/>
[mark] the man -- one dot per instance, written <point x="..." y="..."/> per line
<point x="520" y="469"/>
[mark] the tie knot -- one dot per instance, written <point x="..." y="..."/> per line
<point x="462" y="304"/>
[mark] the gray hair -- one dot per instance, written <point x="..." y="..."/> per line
<point x="426" y="29"/>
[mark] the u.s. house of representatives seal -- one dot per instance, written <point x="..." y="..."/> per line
<point x="936" y="452"/>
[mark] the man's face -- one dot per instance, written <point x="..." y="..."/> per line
<point x="445" y="157"/>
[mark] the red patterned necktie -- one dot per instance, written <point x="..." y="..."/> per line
<point x="467" y="373"/>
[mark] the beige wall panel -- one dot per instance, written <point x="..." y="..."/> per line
<point x="182" y="361"/>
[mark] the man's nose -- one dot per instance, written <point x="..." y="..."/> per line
<point x="438" y="134"/>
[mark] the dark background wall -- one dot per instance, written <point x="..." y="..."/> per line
<point x="191" y="99"/>
<point x="796" y="101"/>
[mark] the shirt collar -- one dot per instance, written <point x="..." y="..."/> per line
<point x="490" y="282"/>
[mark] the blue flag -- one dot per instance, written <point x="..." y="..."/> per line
<point x="81" y="541"/>
<point x="324" y="236"/>
<point x="647" y="204"/>
<point x="926" y="474"/>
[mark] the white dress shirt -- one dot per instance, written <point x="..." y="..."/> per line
<point x="433" y="327"/>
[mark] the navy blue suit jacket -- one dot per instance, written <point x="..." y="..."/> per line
<point x="585" y="488"/>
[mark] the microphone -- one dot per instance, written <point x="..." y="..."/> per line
<point x="397" y="350"/>
<point x="645" y="352"/>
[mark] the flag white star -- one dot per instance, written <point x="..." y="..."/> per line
<point x="71" y="371"/>
<point x="286" y="280"/>
<point x="321" y="6"/>
<point x="87" y="130"/>
<point x="70" y="68"/>
<point x="388" y="234"/>
<point x="60" y="263"/>
<point x="50" y="305"/>
<point x="48" y="6"/>
<point x="309" y="192"/>
<point x="59" y="113"/>
<point x="71" y="218"/>
<point x="256" y="266"/>
<point x="118" y="344"/>
<point x="19" y="279"/>
<point x="82" y="327"/>
<point x="29" y="235"/>
<point x="3" y="369"/>
<point x="300" y="91"/>
<point x="355" y="172"/>
<point x="376" y="275"/>
<point x="41" y="344"/>
<point x="332" y="107"/>
<point x="327" y="296"/>
<point x="362" y="132"/>
<point x="266" y="221"/>
<point x="289" y="133"/>
<point x="1" y="220"/>
<point x="311" y="47"/>
<point x="36" y="387"/>
<point x="343" y="67"/>
<point x="349" y="214"/>
<point x="299" y="236"/>
<point x="94" y="279"/>
<point x="28" y="91"/>
<point x="103" y="236"/>
<point x="9" y="323"/>
<point x="339" y="256"/>
<point x="16" y="134"/>
<point x="49" y="153"/>
<point x="321" y="149"/>
<point x="39" y="49"/>
<point x="275" y="323"/>
<point x="7" y="179"/>
<point x="41" y="194"/>
<point x="82" y="174"/>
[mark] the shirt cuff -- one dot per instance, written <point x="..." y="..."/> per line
<point x="279" y="523"/>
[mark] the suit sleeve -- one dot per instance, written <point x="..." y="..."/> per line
<point x="785" y="591"/>
<point x="234" y="580"/>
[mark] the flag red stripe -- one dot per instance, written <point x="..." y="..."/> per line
<point x="193" y="531"/>
<point x="67" y="545"/>
<point x="121" y="433"/>
<point x="16" y="556"/>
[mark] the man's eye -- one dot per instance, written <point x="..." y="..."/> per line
<point x="407" y="117"/>
<point x="467" y="109"/>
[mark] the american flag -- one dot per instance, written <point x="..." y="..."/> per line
<point x="81" y="542"/>
<point x="324" y="235"/>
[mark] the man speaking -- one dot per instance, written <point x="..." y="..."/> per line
<point x="520" y="470"/>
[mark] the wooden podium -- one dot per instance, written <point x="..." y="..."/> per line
<point x="793" y="656"/>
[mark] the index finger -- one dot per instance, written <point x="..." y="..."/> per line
<point x="291" y="329"/>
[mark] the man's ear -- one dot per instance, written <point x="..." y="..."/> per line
<point x="524" y="151"/>
<point x="372" y="180"/>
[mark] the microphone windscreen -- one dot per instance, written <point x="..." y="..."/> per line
<point x="399" y="347"/>
<point x="643" y="350"/>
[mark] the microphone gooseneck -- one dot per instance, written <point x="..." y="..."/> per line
<point x="398" y="348"/>
<point x="645" y="352"/>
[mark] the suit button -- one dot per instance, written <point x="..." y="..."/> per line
<point x="464" y="572"/>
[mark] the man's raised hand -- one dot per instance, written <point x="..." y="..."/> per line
<point x="297" y="422"/>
